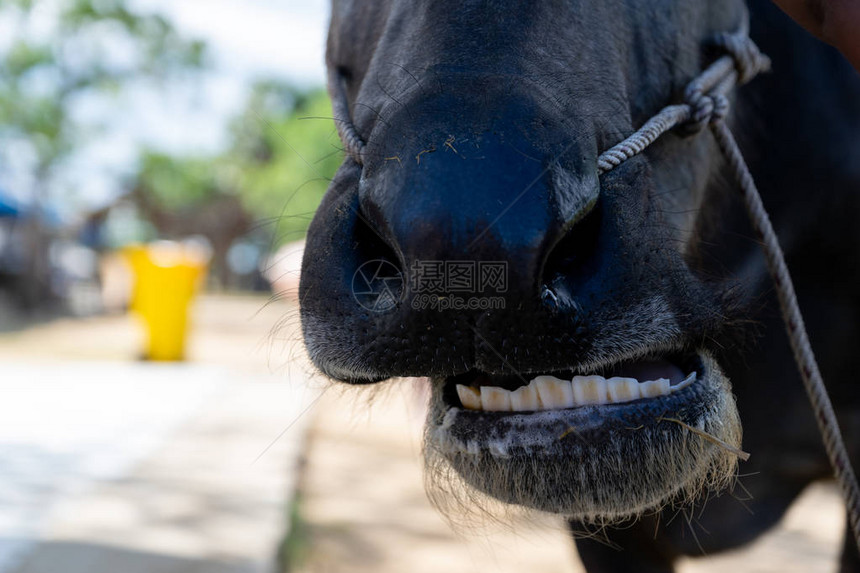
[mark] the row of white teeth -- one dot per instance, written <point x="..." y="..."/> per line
<point x="551" y="393"/>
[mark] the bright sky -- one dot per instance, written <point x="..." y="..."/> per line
<point x="275" y="37"/>
<point x="247" y="39"/>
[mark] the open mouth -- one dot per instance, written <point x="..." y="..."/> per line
<point x="602" y="442"/>
<point x="505" y="414"/>
<point x="618" y="384"/>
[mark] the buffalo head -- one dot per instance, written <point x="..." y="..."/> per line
<point x="563" y="317"/>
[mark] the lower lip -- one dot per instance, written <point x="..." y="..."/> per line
<point x="565" y="461"/>
<point x="505" y="433"/>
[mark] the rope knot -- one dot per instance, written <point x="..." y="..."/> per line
<point x="749" y="61"/>
<point x="705" y="98"/>
<point x="706" y="94"/>
<point x="701" y="111"/>
<point x="721" y="107"/>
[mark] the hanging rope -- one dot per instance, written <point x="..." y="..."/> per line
<point x="706" y="104"/>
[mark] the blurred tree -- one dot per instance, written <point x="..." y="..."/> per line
<point x="285" y="152"/>
<point x="282" y="154"/>
<point x="183" y="196"/>
<point x="58" y="54"/>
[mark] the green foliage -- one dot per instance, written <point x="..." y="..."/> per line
<point x="283" y="147"/>
<point x="23" y="57"/>
<point x="285" y="152"/>
<point x="177" y="183"/>
<point x="42" y="76"/>
<point x="160" y="45"/>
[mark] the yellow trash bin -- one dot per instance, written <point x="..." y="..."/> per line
<point x="166" y="278"/>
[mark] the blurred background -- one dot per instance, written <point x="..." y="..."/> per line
<point x="127" y="122"/>
<point x="160" y="162"/>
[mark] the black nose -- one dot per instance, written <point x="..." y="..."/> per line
<point x="444" y="234"/>
<point x="468" y="198"/>
<point x="475" y="184"/>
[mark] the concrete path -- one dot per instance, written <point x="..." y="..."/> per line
<point x="117" y="467"/>
<point x="126" y="467"/>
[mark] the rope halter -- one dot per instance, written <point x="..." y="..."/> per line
<point x="705" y="99"/>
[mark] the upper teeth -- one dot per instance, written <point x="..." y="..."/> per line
<point x="551" y="393"/>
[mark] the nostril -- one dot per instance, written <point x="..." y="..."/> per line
<point x="572" y="257"/>
<point x="378" y="279"/>
<point x="549" y="298"/>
